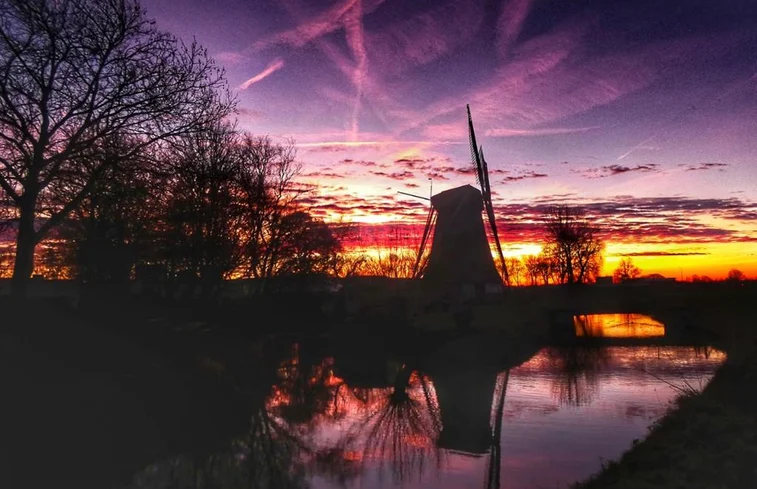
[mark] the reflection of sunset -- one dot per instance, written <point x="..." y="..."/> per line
<point x="568" y="395"/>
<point x="618" y="326"/>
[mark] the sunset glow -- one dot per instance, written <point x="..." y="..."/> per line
<point x="647" y="121"/>
<point x="618" y="326"/>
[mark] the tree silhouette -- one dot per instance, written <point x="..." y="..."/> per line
<point x="574" y="245"/>
<point x="202" y="223"/>
<point x="626" y="271"/>
<point x="305" y="245"/>
<point x="269" y="193"/>
<point x="76" y="72"/>
<point x="516" y="271"/>
<point x="735" y="275"/>
<point x="107" y="232"/>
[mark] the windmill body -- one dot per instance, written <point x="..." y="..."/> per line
<point x="460" y="253"/>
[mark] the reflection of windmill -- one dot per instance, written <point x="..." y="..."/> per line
<point x="494" y="466"/>
<point x="460" y="253"/>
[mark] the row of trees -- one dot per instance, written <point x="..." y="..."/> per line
<point x="116" y="154"/>
<point x="214" y="204"/>
<point x="86" y="85"/>
<point x="572" y="251"/>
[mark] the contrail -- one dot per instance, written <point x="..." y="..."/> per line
<point x="356" y="41"/>
<point x="691" y="108"/>
<point x="273" y="67"/>
<point x="636" y="147"/>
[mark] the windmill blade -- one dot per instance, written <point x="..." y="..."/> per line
<point x="424" y="240"/>
<point x="494" y="465"/>
<point x="413" y="195"/>
<point x="475" y="157"/>
<point x="486" y="190"/>
<point x="495" y="235"/>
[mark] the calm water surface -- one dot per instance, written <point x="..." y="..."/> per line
<point x="542" y="424"/>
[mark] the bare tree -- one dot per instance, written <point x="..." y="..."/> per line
<point x="73" y="72"/>
<point x="304" y="246"/>
<point x="626" y="271"/>
<point x="269" y="193"/>
<point x="540" y="269"/>
<point x="515" y="271"/>
<point x="573" y="243"/>
<point x="392" y="262"/>
<point x="110" y="229"/>
<point x="202" y="228"/>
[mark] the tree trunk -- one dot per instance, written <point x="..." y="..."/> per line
<point x="26" y="242"/>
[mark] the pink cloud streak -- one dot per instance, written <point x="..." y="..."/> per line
<point x="272" y="67"/>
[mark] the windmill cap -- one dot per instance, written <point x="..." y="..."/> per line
<point x="454" y="197"/>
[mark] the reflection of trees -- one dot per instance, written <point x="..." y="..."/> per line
<point x="579" y="368"/>
<point x="267" y="456"/>
<point x="262" y="458"/>
<point x="306" y="388"/>
<point x="401" y="429"/>
<point x="391" y="429"/>
<point x="397" y="425"/>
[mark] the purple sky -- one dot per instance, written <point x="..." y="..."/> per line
<point x="647" y="105"/>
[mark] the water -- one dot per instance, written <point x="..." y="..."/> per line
<point x="545" y="423"/>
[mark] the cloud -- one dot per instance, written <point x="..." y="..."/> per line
<point x="424" y="37"/>
<point x="272" y="67"/>
<point x="523" y="176"/>
<point x="664" y="253"/>
<point x="310" y="29"/>
<point x="402" y="175"/>
<point x="505" y="132"/>
<point x="510" y="24"/>
<point x="230" y="57"/>
<point x="248" y="113"/>
<point x="612" y="170"/>
<point x="660" y="220"/>
<point x="323" y="174"/>
<point x="706" y="166"/>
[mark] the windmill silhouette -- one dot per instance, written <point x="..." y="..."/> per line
<point x="460" y="251"/>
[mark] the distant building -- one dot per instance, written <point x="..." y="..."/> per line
<point x="654" y="278"/>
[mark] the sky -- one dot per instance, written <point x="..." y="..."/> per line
<point x="644" y="112"/>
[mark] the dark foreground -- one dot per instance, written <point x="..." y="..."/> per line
<point x="708" y="440"/>
<point x="92" y="397"/>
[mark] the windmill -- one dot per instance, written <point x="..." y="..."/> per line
<point x="460" y="251"/>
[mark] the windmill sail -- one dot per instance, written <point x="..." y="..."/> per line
<point x="474" y="150"/>
<point x="482" y="176"/>
<point x="418" y="267"/>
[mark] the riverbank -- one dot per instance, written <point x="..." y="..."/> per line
<point x="708" y="439"/>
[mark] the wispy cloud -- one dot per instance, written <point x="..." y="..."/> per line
<point x="612" y="170"/>
<point x="353" y="25"/>
<point x="230" y="57"/>
<point x="272" y="67"/>
<point x="510" y="24"/>
<point x="706" y="166"/>
<point x="665" y="253"/>
<point x="506" y="132"/>
<point x="398" y="175"/>
<point x="523" y="176"/>
<point x="310" y="29"/>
